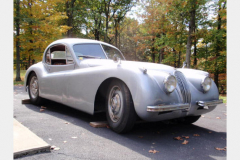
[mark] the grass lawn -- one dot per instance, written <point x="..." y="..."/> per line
<point x="224" y="98"/>
<point x="22" y="75"/>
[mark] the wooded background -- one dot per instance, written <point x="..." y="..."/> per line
<point x="159" y="31"/>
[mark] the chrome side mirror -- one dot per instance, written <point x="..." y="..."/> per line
<point x="116" y="59"/>
<point x="184" y="64"/>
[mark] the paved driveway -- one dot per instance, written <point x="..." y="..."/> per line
<point x="69" y="130"/>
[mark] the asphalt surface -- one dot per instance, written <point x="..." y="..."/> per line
<point x="69" y="130"/>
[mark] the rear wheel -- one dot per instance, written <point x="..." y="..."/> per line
<point x="33" y="89"/>
<point x="120" y="110"/>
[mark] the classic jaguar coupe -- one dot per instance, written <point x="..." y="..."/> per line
<point x="93" y="76"/>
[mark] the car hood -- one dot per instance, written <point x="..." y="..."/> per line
<point x="132" y="64"/>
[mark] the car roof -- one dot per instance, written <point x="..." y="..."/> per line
<point x="72" y="41"/>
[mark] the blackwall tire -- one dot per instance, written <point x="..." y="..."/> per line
<point x="190" y="119"/>
<point x="33" y="89"/>
<point x="120" y="110"/>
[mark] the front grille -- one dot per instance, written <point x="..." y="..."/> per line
<point x="183" y="86"/>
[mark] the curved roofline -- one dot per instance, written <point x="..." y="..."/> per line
<point x="71" y="41"/>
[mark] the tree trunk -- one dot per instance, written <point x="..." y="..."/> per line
<point x="175" y="58"/>
<point x="107" y="6"/>
<point x="191" y="28"/>
<point x="31" y="33"/>
<point x="153" y="55"/>
<point x="195" y="53"/>
<point x="206" y="54"/>
<point x="69" y="12"/>
<point x="135" y="55"/>
<point x="29" y="58"/>
<point x="161" y="55"/>
<point x="96" y="31"/>
<point x="216" y="73"/>
<point x="116" y="36"/>
<point x="18" y="78"/>
<point x="179" y="59"/>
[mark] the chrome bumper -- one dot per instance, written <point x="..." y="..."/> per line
<point x="209" y="103"/>
<point x="164" y="108"/>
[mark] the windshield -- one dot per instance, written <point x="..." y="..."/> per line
<point x="111" y="52"/>
<point x="89" y="51"/>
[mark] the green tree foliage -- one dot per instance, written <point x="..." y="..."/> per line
<point x="39" y="26"/>
<point x="174" y="31"/>
<point x="165" y="31"/>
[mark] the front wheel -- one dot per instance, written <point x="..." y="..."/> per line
<point x="120" y="110"/>
<point x="189" y="119"/>
<point x="33" y="89"/>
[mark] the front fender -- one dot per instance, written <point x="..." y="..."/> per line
<point x="146" y="88"/>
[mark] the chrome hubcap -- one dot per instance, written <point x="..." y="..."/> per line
<point x="34" y="87"/>
<point x="115" y="104"/>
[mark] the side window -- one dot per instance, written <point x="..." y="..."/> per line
<point x="47" y="57"/>
<point x="69" y="56"/>
<point x="111" y="52"/>
<point x="58" y="55"/>
<point x="88" y="51"/>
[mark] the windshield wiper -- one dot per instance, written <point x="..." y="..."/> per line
<point x="86" y="56"/>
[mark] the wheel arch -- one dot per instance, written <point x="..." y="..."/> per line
<point x="28" y="76"/>
<point x="99" y="102"/>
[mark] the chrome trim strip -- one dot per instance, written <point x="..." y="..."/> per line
<point x="104" y="51"/>
<point x="209" y="103"/>
<point x="164" y="108"/>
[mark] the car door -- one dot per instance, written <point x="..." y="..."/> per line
<point x="58" y="62"/>
<point x="81" y="84"/>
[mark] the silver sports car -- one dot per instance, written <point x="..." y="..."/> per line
<point x="92" y="76"/>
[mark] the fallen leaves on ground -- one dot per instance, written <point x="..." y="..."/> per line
<point x="185" y="142"/>
<point x="178" y="138"/>
<point x="54" y="148"/>
<point x="42" y="110"/>
<point x="185" y="137"/>
<point x="74" y="137"/>
<point x="196" y="135"/>
<point x="153" y="151"/>
<point x="221" y="149"/>
<point x="42" y="107"/>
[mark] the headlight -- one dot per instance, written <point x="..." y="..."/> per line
<point x="170" y="83"/>
<point x="206" y="84"/>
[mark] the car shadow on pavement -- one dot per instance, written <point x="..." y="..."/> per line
<point x="146" y="136"/>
